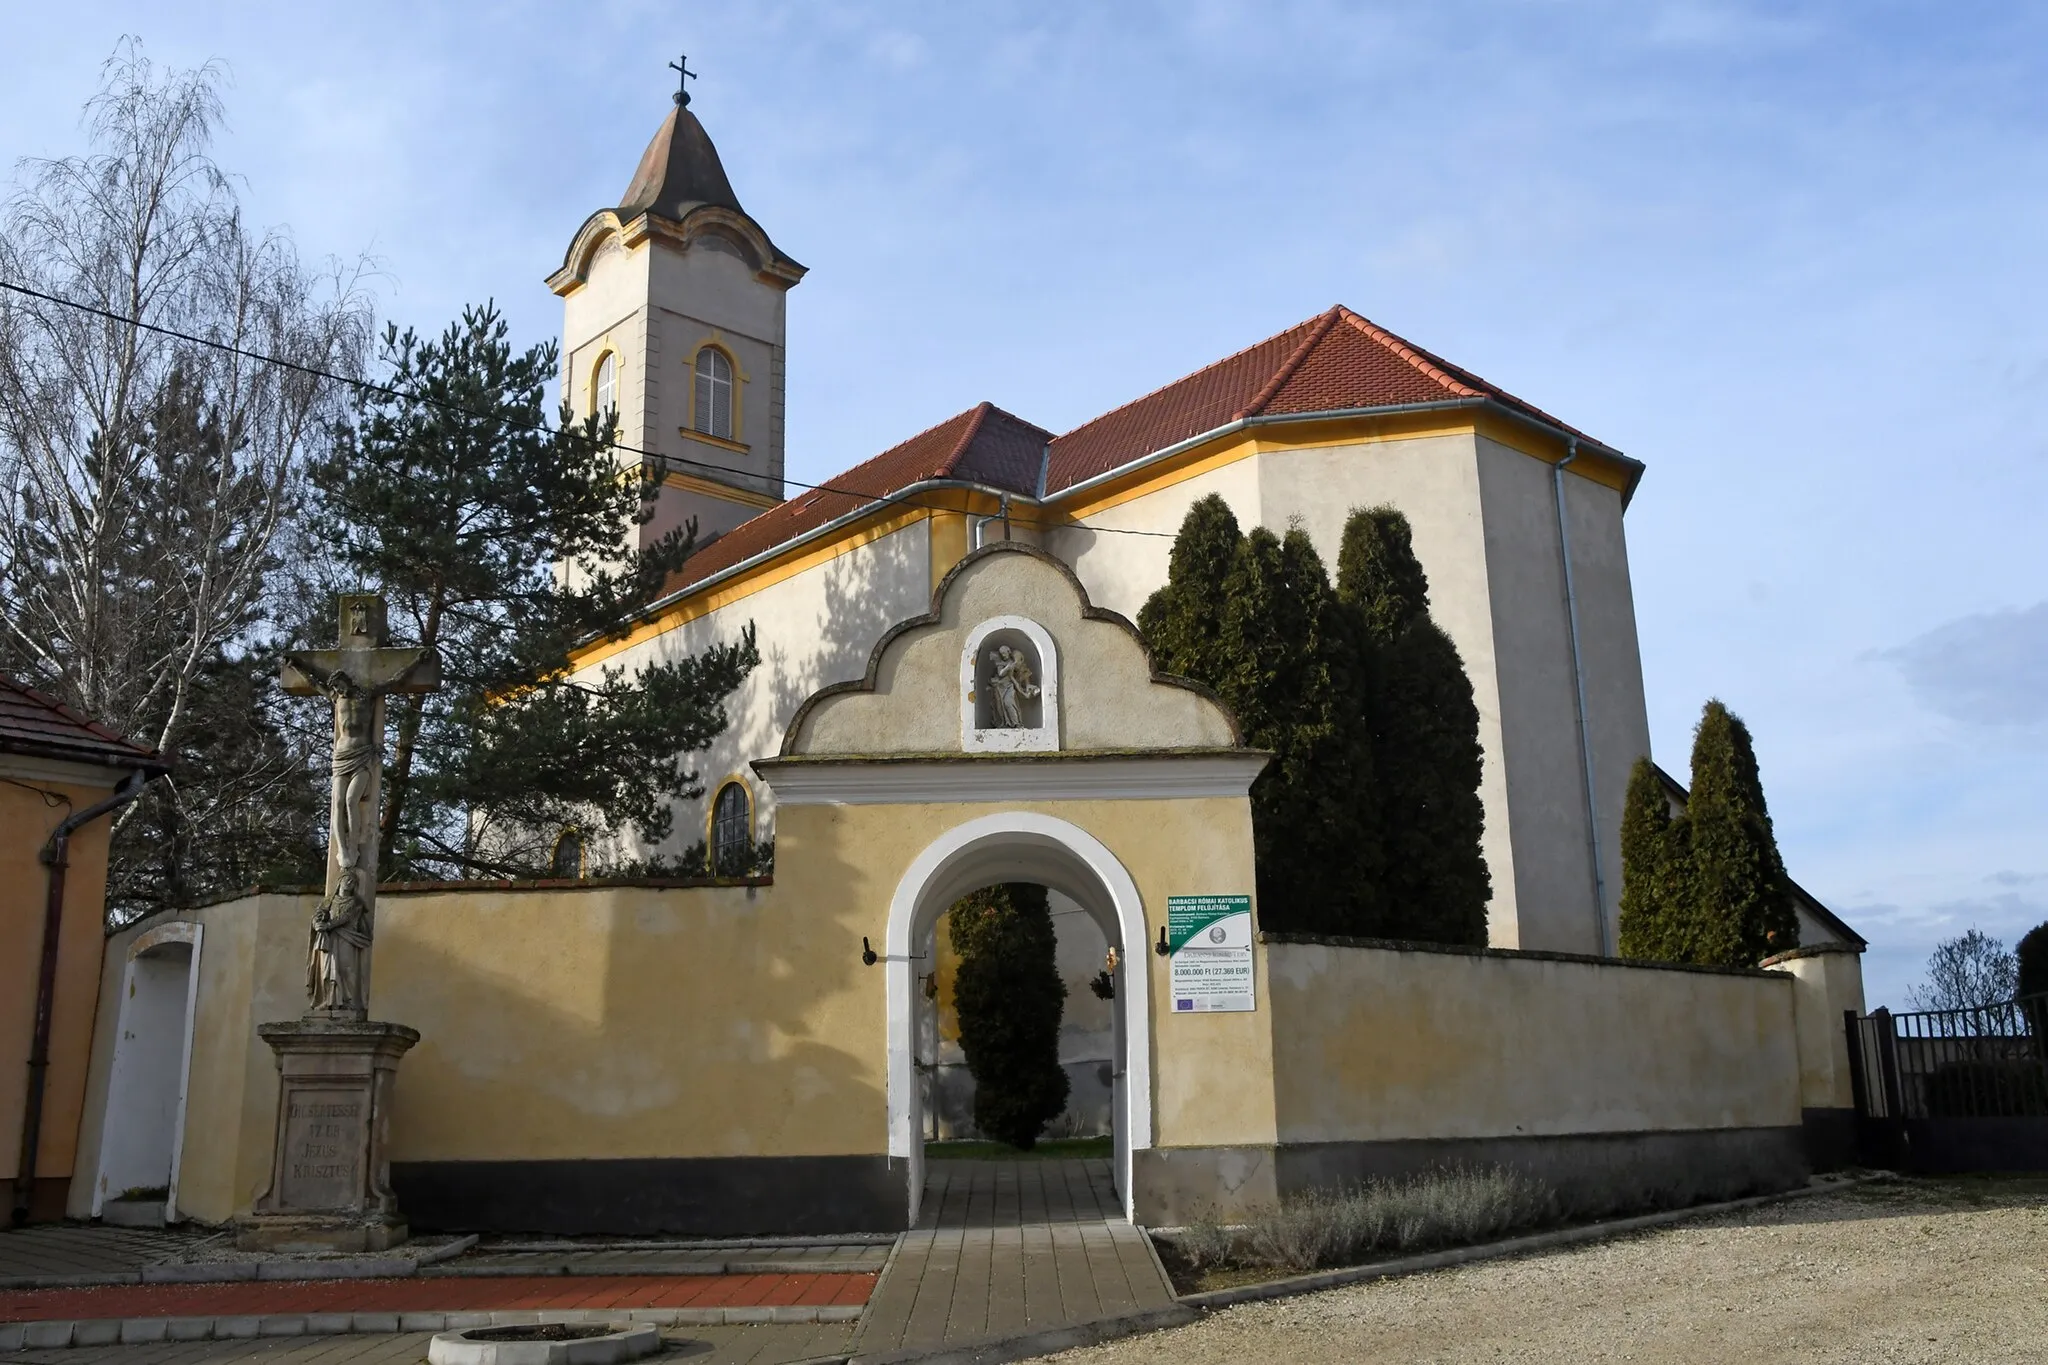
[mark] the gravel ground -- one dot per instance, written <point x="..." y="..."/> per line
<point x="1954" y="1272"/>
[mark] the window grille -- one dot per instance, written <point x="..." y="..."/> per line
<point x="732" y="841"/>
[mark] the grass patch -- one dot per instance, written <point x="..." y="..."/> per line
<point x="1323" y="1229"/>
<point x="1053" y="1149"/>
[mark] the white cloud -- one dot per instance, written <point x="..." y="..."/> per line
<point x="1986" y="669"/>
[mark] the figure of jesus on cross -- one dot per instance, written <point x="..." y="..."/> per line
<point x="357" y="675"/>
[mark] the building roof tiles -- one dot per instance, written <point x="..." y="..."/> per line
<point x="1336" y="361"/>
<point x="35" y="724"/>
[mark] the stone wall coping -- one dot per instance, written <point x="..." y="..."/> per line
<point x="1812" y="950"/>
<point x="1525" y="954"/>
<point x="499" y="884"/>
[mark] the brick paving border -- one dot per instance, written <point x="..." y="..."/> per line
<point x="207" y="1312"/>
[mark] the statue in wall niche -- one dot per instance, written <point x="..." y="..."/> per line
<point x="1011" y="680"/>
<point x="339" y="942"/>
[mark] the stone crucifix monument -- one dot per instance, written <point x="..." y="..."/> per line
<point x="330" y="1181"/>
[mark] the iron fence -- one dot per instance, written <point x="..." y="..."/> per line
<point x="1988" y="1062"/>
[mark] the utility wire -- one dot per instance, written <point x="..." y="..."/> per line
<point x="664" y="460"/>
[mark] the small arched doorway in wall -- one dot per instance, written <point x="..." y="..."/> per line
<point x="1017" y="846"/>
<point x="144" y="1138"/>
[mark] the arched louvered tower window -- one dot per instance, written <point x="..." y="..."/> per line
<point x="713" y="409"/>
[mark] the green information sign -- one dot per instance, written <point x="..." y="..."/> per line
<point x="1210" y="938"/>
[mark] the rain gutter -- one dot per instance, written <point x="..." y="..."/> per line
<point x="56" y="857"/>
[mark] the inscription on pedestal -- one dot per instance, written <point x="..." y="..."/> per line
<point x="325" y="1135"/>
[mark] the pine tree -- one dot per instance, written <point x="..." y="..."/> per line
<point x="1425" y="738"/>
<point x="1645" y="825"/>
<point x="1740" y="907"/>
<point x="452" y="495"/>
<point x="1009" y="998"/>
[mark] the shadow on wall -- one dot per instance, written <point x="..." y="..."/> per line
<point x="859" y="596"/>
<point x="635" y="1060"/>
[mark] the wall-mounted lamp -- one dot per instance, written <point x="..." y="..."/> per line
<point x="868" y="956"/>
<point x="1159" y="947"/>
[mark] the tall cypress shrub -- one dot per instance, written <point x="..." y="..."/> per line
<point x="1740" y="906"/>
<point x="1425" y="738"/>
<point x="1253" y="618"/>
<point x="1009" y="999"/>
<point x="1645" y="832"/>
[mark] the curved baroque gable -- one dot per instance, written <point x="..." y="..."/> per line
<point x="1106" y="694"/>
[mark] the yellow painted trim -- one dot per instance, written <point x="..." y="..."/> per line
<point x="1322" y="434"/>
<point x="948" y="536"/>
<point x="582" y="850"/>
<point x="734" y="778"/>
<point x="690" y="483"/>
<point x="736" y="447"/>
<point x="605" y="350"/>
<point x="697" y="605"/>
<point x="740" y="379"/>
<point x="1308" y="434"/>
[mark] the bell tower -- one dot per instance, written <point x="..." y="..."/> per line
<point x="674" y="306"/>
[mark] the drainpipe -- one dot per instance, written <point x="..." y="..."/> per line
<point x="55" y="857"/>
<point x="1571" y="611"/>
<point x="981" y="523"/>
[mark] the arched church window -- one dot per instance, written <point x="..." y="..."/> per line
<point x="604" y="388"/>
<point x="567" y="861"/>
<point x="714" y="393"/>
<point x="732" y="834"/>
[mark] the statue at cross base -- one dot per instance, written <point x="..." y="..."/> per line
<point x="358" y="673"/>
<point x="330" y="1174"/>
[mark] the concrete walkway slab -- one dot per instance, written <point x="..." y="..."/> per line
<point x="1009" y="1248"/>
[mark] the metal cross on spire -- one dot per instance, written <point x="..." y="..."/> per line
<point x="681" y="66"/>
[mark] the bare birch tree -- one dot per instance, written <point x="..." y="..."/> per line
<point x="144" y="477"/>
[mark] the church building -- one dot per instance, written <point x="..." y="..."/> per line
<point x="675" y="307"/>
<point x="952" y="694"/>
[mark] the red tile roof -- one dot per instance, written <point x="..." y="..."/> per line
<point x="1335" y="361"/>
<point x="31" y="723"/>
<point x="1332" y="362"/>
<point x="982" y="445"/>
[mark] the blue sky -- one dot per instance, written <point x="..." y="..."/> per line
<point x="1788" y="255"/>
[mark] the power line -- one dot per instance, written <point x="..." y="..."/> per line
<point x="664" y="460"/>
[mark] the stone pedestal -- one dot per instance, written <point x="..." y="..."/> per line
<point x="330" y="1175"/>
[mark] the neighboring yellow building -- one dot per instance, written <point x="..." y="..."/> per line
<point x="59" y="775"/>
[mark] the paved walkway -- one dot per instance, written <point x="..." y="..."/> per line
<point x="1001" y="1249"/>
<point x="1008" y="1247"/>
<point x="73" y="1249"/>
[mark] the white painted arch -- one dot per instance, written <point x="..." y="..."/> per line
<point x="1019" y="846"/>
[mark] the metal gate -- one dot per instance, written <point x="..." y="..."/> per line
<point x="1952" y="1090"/>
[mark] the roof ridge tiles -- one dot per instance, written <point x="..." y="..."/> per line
<point x="1278" y="379"/>
<point x="978" y="415"/>
<point x="1177" y="382"/>
<point x="1435" y="367"/>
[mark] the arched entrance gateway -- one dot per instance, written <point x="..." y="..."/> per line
<point x="1016" y="846"/>
<point x="1017" y="734"/>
